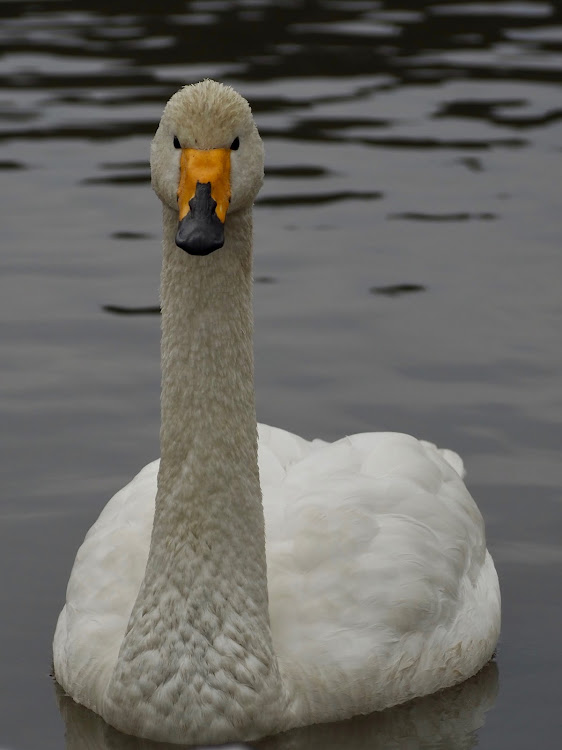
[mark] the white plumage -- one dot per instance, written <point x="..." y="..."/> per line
<point x="380" y="585"/>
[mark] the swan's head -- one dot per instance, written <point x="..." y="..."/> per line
<point x="206" y="162"/>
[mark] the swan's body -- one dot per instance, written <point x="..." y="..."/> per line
<point x="380" y="585"/>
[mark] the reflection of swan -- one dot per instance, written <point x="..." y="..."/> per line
<point x="448" y="719"/>
<point x="381" y="588"/>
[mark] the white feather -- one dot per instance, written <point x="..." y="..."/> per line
<point x="375" y="550"/>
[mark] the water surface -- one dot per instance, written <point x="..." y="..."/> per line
<point x="407" y="270"/>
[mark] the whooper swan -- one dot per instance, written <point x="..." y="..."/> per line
<point x="375" y="586"/>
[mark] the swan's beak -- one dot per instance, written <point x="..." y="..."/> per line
<point x="203" y="199"/>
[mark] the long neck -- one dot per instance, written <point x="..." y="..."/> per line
<point x="208" y="411"/>
<point x="197" y="658"/>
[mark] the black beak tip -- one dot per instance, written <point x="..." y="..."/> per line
<point x="199" y="240"/>
<point x="201" y="232"/>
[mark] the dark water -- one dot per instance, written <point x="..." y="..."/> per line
<point x="408" y="277"/>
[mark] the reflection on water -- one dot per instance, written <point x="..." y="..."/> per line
<point x="395" y="290"/>
<point x="411" y="147"/>
<point x="446" y="720"/>
<point x="67" y="63"/>
<point x="119" y="310"/>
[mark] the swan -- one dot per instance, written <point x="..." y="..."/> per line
<point x="375" y="587"/>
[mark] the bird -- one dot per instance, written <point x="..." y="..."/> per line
<point x="251" y="581"/>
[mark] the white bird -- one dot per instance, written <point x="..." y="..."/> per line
<point x="212" y="601"/>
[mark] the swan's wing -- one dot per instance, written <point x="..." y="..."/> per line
<point x="452" y="458"/>
<point x="102" y="589"/>
<point x="377" y="565"/>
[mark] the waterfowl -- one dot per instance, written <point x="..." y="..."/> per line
<point x="242" y="586"/>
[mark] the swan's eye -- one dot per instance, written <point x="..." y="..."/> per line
<point x="235" y="145"/>
<point x="176" y="142"/>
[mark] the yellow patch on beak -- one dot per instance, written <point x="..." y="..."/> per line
<point x="201" y="166"/>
